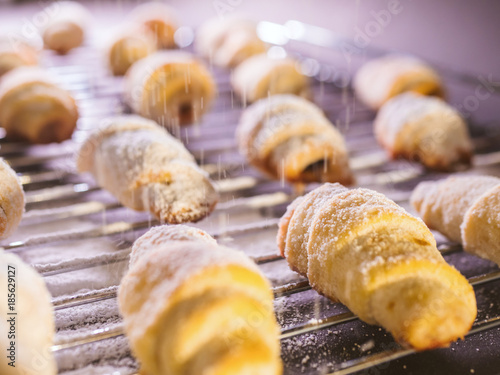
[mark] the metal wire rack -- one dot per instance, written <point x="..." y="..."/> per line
<point x="318" y="337"/>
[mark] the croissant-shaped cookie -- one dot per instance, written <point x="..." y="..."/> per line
<point x="16" y="53"/>
<point x="129" y="47"/>
<point x="66" y="26"/>
<point x="193" y="307"/>
<point x="227" y="42"/>
<point x="11" y="200"/>
<point x="35" y="109"/>
<point x="170" y="87"/>
<point x="147" y="170"/>
<point x="288" y="136"/>
<point x="160" y="19"/>
<point x="260" y="76"/>
<point x="466" y="209"/>
<point x="426" y="129"/>
<point x="27" y="320"/>
<point x="379" y="80"/>
<point x="361" y="248"/>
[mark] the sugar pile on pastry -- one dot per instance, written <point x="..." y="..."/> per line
<point x="466" y="209"/>
<point x="191" y="306"/>
<point x="34" y="108"/>
<point x="171" y="87"/>
<point x="362" y="249"/>
<point x="288" y="137"/>
<point x="147" y="169"/>
<point x="425" y="129"/>
<point x="381" y="79"/>
<point x="229" y="41"/>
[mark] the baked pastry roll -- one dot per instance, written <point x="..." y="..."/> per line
<point x="426" y="129"/>
<point x="260" y="76"/>
<point x="11" y="200"/>
<point x="227" y="42"/>
<point x="381" y="79"/>
<point x="170" y="87"/>
<point x="147" y="169"/>
<point x="466" y="209"/>
<point x="66" y="26"/>
<point x="16" y="53"/>
<point x="288" y="136"/>
<point x="160" y="19"/>
<point x="362" y="249"/>
<point x="129" y="47"/>
<point x="32" y="328"/>
<point x="34" y="108"/>
<point x="193" y="307"/>
<point x="165" y="234"/>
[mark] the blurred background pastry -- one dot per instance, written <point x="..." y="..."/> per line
<point x="34" y="108"/>
<point x="160" y="19"/>
<point x="171" y="87"/>
<point x="260" y="76"/>
<point x="229" y="41"/>
<point x="380" y="79"/>
<point x="15" y="53"/>
<point x="66" y="26"/>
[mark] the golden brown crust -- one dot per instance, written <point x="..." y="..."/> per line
<point x="157" y="88"/>
<point x="213" y="291"/>
<point x="382" y="263"/>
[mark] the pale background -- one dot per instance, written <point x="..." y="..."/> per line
<point x="461" y="33"/>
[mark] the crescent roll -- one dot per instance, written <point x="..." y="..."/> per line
<point x="129" y="47"/>
<point x="66" y="26"/>
<point x="147" y="170"/>
<point x="160" y="19"/>
<point x="170" y="87"/>
<point x="16" y="53"/>
<point x="260" y="76"/>
<point x="381" y="79"/>
<point x="229" y="41"/>
<point x="34" y="108"/>
<point x="27" y="336"/>
<point x="288" y="136"/>
<point x="11" y="200"/>
<point x="193" y="307"/>
<point x="426" y="129"/>
<point x="362" y="249"/>
<point x="466" y="209"/>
